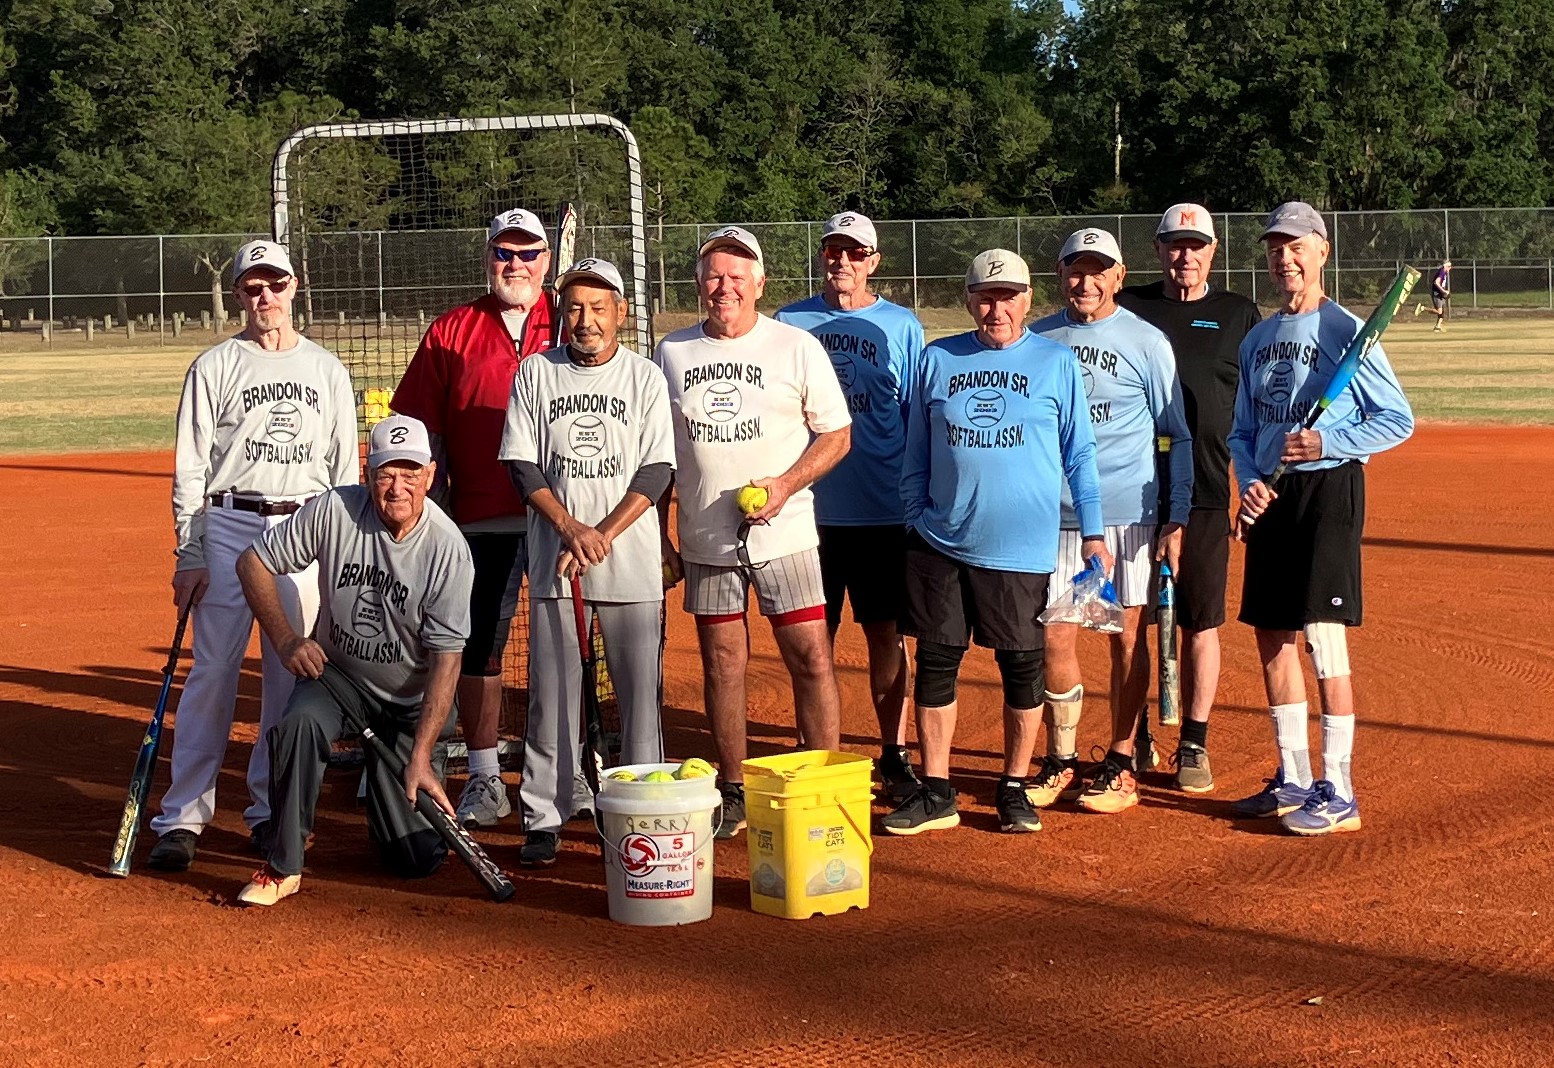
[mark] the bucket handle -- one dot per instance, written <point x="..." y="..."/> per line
<point x="868" y="838"/>
<point x="605" y="843"/>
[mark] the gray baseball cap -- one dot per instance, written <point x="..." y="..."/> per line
<point x="596" y="269"/>
<point x="854" y="227"/>
<point x="997" y="268"/>
<point x="1091" y="241"/>
<point x="1294" y="218"/>
<point x="732" y="237"/>
<point x="524" y="222"/>
<point x="257" y="254"/>
<point x="399" y="437"/>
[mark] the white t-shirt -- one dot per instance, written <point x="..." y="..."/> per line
<point x="746" y="408"/>
<point x="590" y="430"/>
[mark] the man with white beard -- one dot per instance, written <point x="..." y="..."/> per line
<point x="458" y="384"/>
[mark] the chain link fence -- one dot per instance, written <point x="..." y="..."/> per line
<point x="158" y="288"/>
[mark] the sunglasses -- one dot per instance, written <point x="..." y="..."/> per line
<point x="507" y="255"/>
<point x="254" y="289"/>
<point x="742" y="548"/>
<point x="855" y="253"/>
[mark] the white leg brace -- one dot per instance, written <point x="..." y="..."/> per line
<point x="1328" y="644"/>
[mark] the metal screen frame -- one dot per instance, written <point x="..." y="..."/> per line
<point x="280" y="212"/>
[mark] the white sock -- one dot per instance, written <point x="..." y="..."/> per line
<point x="483" y="763"/>
<point x="1337" y="746"/>
<point x="1289" y="726"/>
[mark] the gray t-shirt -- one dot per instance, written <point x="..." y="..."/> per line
<point x="590" y="429"/>
<point x="262" y="424"/>
<point x="386" y="604"/>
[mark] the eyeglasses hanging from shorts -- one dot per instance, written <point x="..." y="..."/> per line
<point x="742" y="547"/>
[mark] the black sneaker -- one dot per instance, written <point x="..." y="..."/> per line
<point x="731" y="820"/>
<point x="897" y="779"/>
<point x="174" y="851"/>
<point x="1016" y="815"/>
<point x="538" y="849"/>
<point x="923" y="811"/>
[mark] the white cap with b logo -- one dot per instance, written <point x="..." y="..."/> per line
<point x="399" y="437"/>
<point x="997" y="268"/>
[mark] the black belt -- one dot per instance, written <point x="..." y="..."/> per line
<point x="248" y="504"/>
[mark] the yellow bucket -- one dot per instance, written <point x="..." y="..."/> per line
<point x="808" y="817"/>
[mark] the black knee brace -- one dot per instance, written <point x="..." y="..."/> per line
<point x="1023" y="675"/>
<point x="937" y="666"/>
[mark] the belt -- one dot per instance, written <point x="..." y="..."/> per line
<point x="249" y="504"/>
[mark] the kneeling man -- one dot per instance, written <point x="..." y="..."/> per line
<point x="391" y="629"/>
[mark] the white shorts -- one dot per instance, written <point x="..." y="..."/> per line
<point x="786" y="587"/>
<point x="1134" y="573"/>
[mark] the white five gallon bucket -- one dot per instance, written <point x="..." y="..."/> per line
<point x="658" y="846"/>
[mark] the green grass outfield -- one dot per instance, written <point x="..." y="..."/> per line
<point x="107" y="397"/>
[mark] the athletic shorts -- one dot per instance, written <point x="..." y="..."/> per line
<point x="866" y="564"/>
<point x="953" y="603"/>
<point x="1200" y="588"/>
<point x="1437" y="301"/>
<point x="1303" y="553"/>
<point x="501" y="558"/>
<point x="1134" y="572"/>
<point x="788" y="589"/>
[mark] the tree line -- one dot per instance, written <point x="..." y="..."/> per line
<point x="161" y="116"/>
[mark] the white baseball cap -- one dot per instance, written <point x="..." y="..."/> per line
<point x="997" y="268"/>
<point x="732" y="237"/>
<point x="399" y="437"/>
<point x="854" y="227"/>
<point x="597" y="269"/>
<point x="524" y="222"/>
<point x="1091" y="241"/>
<point x="261" y="253"/>
<point x="1185" y="220"/>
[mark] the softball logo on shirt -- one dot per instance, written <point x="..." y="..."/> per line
<point x="378" y="593"/>
<point x="368" y="617"/>
<point x="277" y="427"/>
<point x="285" y="422"/>
<point x="586" y="436"/>
<point x="1283" y="367"/>
<point x="715" y="415"/>
<point x="985" y="407"/>
<point x="580" y="436"/>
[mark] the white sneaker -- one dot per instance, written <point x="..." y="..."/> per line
<point x="582" y="797"/>
<point x="269" y="886"/>
<point x="483" y="802"/>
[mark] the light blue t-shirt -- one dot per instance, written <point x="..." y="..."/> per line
<point x="1286" y="364"/>
<point x="871" y="349"/>
<point x="1135" y="399"/>
<point x="991" y="436"/>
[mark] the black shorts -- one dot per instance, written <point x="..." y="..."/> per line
<point x="951" y="603"/>
<point x="1200" y="591"/>
<point x="866" y="564"/>
<point x="499" y="559"/>
<point x="1303" y="553"/>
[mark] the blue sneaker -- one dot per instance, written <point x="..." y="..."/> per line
<point x="1323" y="813"/>
<point x="1278" y="798"/>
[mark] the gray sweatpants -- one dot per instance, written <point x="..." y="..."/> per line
<point x="551" y="747"/>
<point x="299" y="752"/>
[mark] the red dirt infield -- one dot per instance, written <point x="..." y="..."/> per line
<point x="1166" y="935"/>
